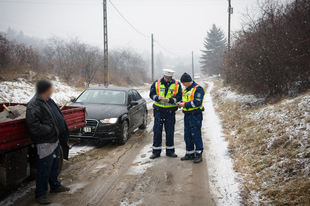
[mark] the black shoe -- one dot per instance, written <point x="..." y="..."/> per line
<point x="186" y="158"/>
<point x="60" y="189"/>
<point x="43" y="200"/>
<point x="171" y="155"/>
<point x="198" y="159"/>
<point x="154" y="156"/>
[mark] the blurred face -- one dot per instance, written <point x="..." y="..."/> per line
<point x="48" y="93"/>
<point x="187" y="84"/>
<point x="167" y="79"/>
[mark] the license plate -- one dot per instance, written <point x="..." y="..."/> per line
<point x="87" y="129"/>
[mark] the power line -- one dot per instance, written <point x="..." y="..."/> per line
<point x="139" y="31"/>
<point x="165" y="48"/>
<point x="59" y="3"/>
<point x="128" y="21"/>
<point x="169" y="51"/>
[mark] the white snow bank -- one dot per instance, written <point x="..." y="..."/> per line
<point x="22" y="91"/>
<point x="223" y="184"/>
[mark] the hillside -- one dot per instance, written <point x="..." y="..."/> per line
<point x="22" y="90"/>
<point x="270" y="145"/>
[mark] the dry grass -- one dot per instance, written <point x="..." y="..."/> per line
<point x="270" y="146"/>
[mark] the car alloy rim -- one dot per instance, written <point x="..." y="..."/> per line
<point x="145" y="119"/>
<point x="125" y="131"/>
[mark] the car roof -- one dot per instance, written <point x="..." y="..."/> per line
<point x="125" y="89"/>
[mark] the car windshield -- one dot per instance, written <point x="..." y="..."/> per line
<point x="102" y="97"/>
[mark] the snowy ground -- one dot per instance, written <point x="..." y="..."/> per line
<point x="22" y="91"/>
<point x="125" y="176"/>
<point x="270" y="146"/>
<point x="77" y="149"/>
<point x="223" y="179"/>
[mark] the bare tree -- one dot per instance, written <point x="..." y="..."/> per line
<point x="65" y="56"/>
<point x="270" y="56"/>
<point x="90" y="63"/>
<point x="127" y="67"/>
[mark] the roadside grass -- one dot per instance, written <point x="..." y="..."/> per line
<point x="270" y="145"/>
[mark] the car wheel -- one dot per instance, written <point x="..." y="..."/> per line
<point x="123" y="136"/>
<point x="144" y="125"/>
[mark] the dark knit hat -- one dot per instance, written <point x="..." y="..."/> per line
<point x="42" y="86"/>
<point x="186" y="78"/>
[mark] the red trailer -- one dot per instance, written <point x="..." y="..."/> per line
<point x="16" y="148"/>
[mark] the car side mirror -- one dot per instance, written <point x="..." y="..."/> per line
<point x="134" y="103"/>
<point x="73" y="100"/>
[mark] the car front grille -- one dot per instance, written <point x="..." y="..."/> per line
<point x="91" y="123"/>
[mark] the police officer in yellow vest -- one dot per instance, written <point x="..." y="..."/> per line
<point x="192" y="103"/>
<point x="165" y="92"/>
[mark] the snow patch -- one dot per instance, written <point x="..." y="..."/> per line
<point x="76" y="187"/>
<point x="223" y="184"/>
<point x="127" y="203"/>
<point x="77" y="150"/>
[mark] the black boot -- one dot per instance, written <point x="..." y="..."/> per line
<point x="172" y="155"/>
<point x="186" y="158"/>
<point x="43" y="200"/>
<point x="198" y="159"/>
<point x="154" y="156"/>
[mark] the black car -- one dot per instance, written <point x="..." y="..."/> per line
<point x="112" y="113"/>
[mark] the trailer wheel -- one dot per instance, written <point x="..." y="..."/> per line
<point x="61" y="159"/>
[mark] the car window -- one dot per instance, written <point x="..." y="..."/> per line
<point x="131" y="96"/>
<point x="102" y="97"/>
<point x="137" y="95"/>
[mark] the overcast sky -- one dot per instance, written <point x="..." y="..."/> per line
<point x="178" y="25"/>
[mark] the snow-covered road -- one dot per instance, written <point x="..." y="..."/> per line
<point x="124" y="175"/>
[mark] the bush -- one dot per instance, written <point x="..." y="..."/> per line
<point x="270" y="56"/>
<point x="75" y="62"/>
<point x="16" y="57"/>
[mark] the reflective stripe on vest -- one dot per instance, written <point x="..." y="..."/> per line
<point x="160" y="91"/>
<point x="176" y="84"/>
<point x="191" y="98"/>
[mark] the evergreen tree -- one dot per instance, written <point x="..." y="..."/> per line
<point x="215" y="46"/>
<point x="20" y="37"/>
<point x="10" y="33"/>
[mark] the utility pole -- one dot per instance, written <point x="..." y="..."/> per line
<point x="230" y="12"/>
<point x="152" y="39"/>
<point x="193" y="69"/>
<point x="105" y="45"/>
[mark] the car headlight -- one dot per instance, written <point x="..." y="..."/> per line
<point x="109" y="120"/>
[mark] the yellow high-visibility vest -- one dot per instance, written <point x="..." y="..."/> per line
<point x="172" y="92"/>
<point x="188" y="96"/>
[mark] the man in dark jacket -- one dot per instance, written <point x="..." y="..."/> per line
<point x="48" y="128"/>
<point x="165" y="92"/>
<point x="192" y="103"/>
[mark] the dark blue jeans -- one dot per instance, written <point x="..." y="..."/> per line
<point x="167" y="119"/>
<point x="192" y="134"/>
<point x="48" y="171"/>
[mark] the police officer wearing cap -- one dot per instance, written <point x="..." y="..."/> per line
<point x="192" y="103"/>
<point x="165" y="92"/>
